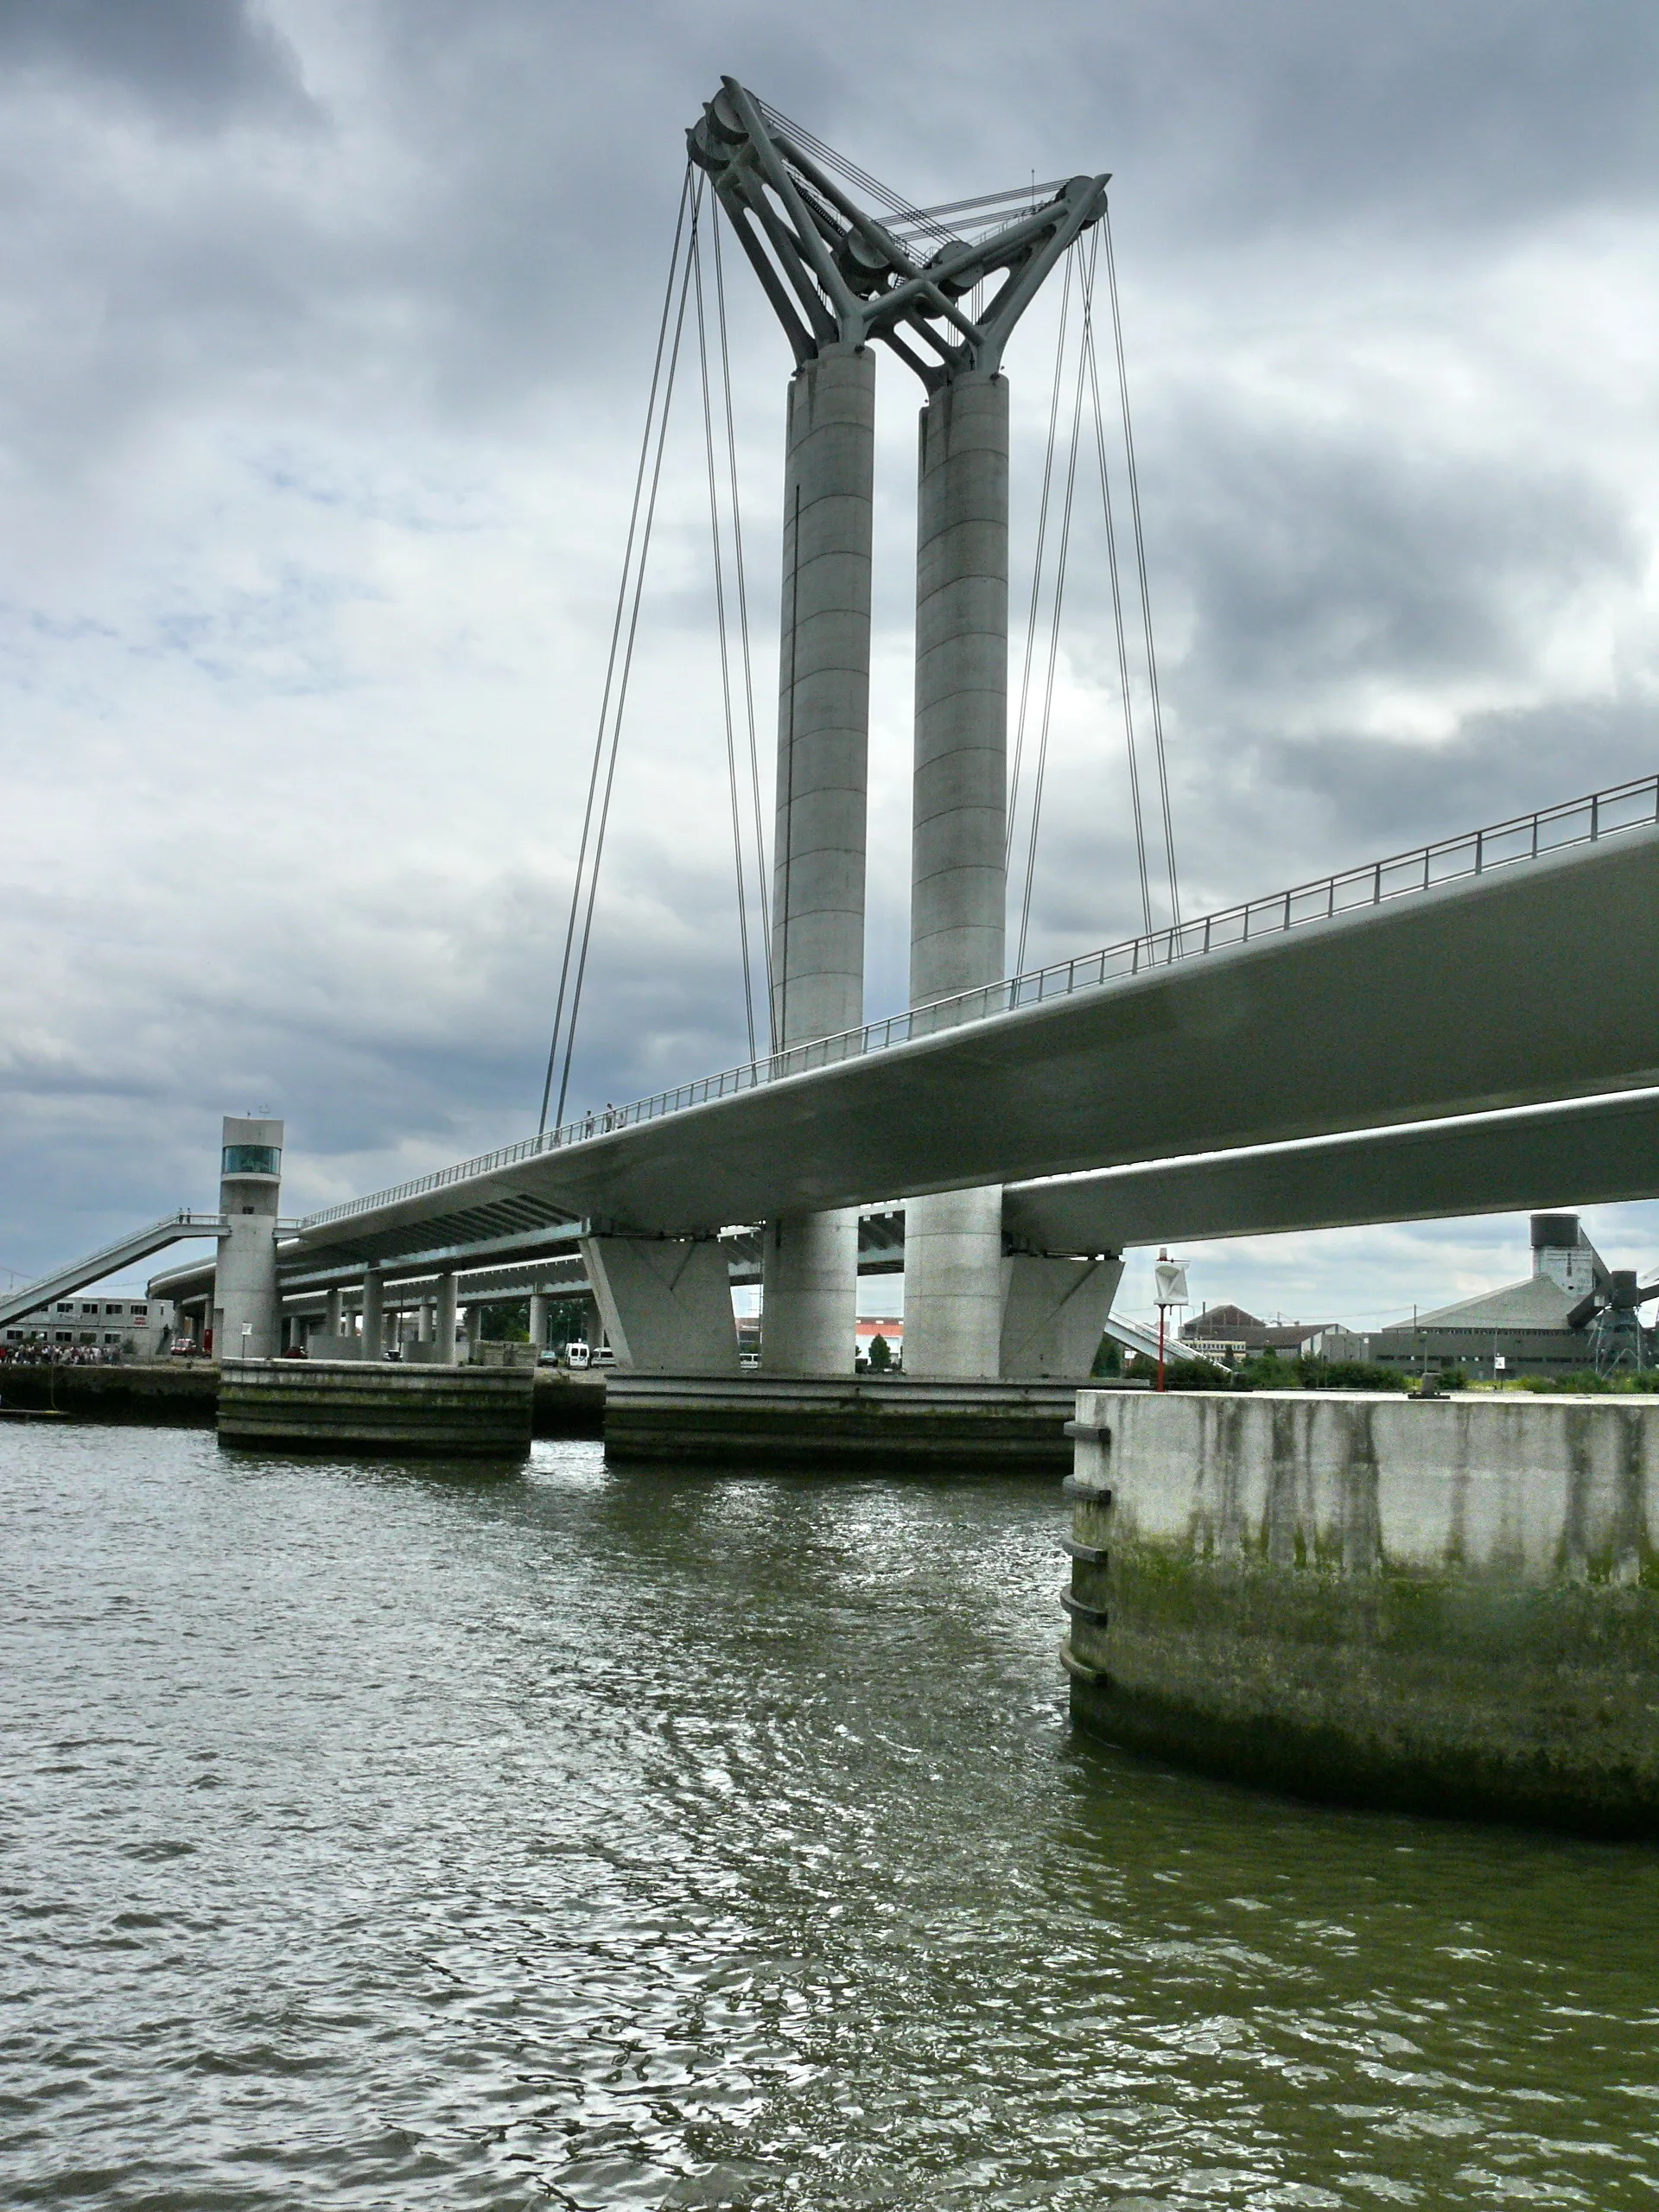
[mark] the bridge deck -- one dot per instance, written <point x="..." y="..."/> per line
<point x="1501" y="990"/>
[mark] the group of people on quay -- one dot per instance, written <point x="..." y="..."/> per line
<point x="45" y="1355"/>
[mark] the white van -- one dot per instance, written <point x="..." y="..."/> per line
<point x="577" y="1355"/>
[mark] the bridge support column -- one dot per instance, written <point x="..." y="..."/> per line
<point x="664" y="1304"/>
<point x="538" y="1321"/>
<point x="245" y="1297"/>
<point x="953" y="1241"/>
<point x="424" y="1322"/>
<point x="374" y="1323"/>
<point x="446" y="1320"/>
<point x="333" y="1320"/>
<point x="809" y="1271"/>
<point x="1054" y="1311"/>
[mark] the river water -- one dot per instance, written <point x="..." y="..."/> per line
<point x="373" y="1838"/>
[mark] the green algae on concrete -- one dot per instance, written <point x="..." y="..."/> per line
<point x="1449" y="1605"/>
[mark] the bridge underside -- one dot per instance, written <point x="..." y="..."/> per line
<point x="1584" y="1152"/>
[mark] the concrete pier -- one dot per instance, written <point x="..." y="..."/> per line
<point x="824" y="721"/>
<point x="849" y="1423"/>
<point x="953" y="1243"/>
<point x="1450" y="1605"/>
<point x="358" y="1406"/>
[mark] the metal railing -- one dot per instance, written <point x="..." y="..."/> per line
<point x="1451" y="860"/>
<point x="22" y="1297"/>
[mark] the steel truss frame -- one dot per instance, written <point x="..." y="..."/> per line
<point x="838" y="277"/>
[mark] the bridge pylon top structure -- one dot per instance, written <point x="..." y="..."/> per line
<point x="838" y="275"/>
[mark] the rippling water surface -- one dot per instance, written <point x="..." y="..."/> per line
<point x="372" y="1838"/>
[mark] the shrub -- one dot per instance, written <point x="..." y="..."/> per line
<point x="1349" y="1375"/>
<point x="1195" y="1374"/>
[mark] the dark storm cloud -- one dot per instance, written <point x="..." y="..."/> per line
<point x="195" y="64"/>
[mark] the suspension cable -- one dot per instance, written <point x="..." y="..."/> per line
<point x="1140" y="563"/>
<point x="1117" y="624"/>
<point x="720" y="624"/>
<point x="1037" y="563"/>
<point x="1086" y="285"/>
<point x="762" y="896"/>
<point x="627" y="658"/>
<point x="610" y="663"/>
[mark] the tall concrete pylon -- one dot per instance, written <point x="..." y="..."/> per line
<point x="837" y="277"/>
<point x="810" y="1266"/>
<point x="958" y="892"/>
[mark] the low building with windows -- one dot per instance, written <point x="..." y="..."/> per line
<point x="119" y="1328"/>
<point x="1228" y="1333"/>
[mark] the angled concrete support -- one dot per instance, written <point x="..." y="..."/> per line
<point x="1054" y="1311"/>
<point x="665" y="1304"/>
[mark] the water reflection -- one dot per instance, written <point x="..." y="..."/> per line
<point x="380" y="1836"/>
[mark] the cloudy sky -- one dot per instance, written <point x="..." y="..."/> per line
<point x="324" y="335"/>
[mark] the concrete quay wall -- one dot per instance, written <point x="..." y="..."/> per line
<point x="845" y="1423"/>
<point x="1448" y="1605"/>
<point x="314" y="1405"/>
<point x="180" y="1394"/>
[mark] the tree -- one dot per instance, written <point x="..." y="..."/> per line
<point x="880" y="1355"/>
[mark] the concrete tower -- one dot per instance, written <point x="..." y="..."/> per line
<point x="958" y="892"/>
<point x="839" y="277"/>
<point x="809" y="1268"/>
<point x="247" y="1311"/>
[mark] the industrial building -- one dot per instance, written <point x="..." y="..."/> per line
<point x="1521" y="1329"/>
